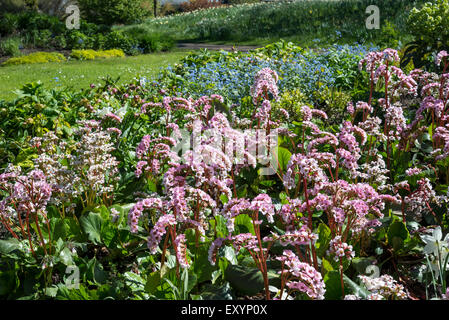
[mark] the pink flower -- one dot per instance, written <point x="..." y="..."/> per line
<point x="264" y="83"/>
<point x="181" y="251"/>
<point x="159" y="231"/>
<point x="263" y="204"/>
<point x="441" y="57"/>
<point x="303" y="277"/>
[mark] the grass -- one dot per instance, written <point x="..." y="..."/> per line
<point x="80" y="74"/>
<point x="301" y="21"/>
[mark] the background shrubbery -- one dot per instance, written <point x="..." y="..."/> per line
<point x="429" y="26"/>
<point x="113" y="11"/>
<point x="33" y="30"/>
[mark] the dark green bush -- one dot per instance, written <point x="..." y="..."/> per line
<point x="149" y="42"/>
<point x="44" y="39"/>
<point x="35" y="21"/>
<point x="78" y="40"/>
<point x="10" y="47"/>
<point x="9" y="24"/>
<point x="119" y="40"/>
<point x="111" y="12"/>
<point x="59" y="42"/>
<point x="430" y="27"/>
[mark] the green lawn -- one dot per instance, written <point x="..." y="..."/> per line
<point x="80" y="74"/>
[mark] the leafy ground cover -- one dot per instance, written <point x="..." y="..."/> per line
<point x="178" y="187"/>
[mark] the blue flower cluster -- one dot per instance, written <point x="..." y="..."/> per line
<point x="308" y="70"/>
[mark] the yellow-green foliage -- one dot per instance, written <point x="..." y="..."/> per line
<point x="92" y="54"/>
<point x="292" y="101"/>
<point x="36" y="57"/>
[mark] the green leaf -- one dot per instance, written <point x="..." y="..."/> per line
<point x="152" y="186"/>
<point x="66" y="257"/>
<point x="333" y="285"/>
<point x="201" y="265"/>
<point x="326" y="266"/>
<point x="224" y="198"/>
<point x="91" y="225"/>
<point x="324" y="238"/>
<point x="8" y="282"/>
<point x="153" y="281"/>
<point x="189" y="280"/>
<point x="134" y="281"/>
<point x="229" y="254"/>
<point x="360" y="264"/>
<point x="248" y="281"/>
<point x="283" y="157"/>
<point x="222" y="230"/>
<point x="243" y="224"/>
<point x="355" y="288"/>
<point x="397" y="234"/>
<point x="65" y="293"/>
<point x="95" y="271"/>
<point x="217" y="293"/>
<point x="109" y="234"/>
<point x="7" y="246"/>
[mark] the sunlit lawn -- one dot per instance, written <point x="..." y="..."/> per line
<point x="80" y="74"/>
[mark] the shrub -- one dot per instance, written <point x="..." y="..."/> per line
<point x="332" y="101"/>
<point x="60" y="42"/>
<point x="292" y="101"/>
<point x="10" y="47"/>
<point x="8" y="24"/>
<point x="99" y="41"/>
<point x="169" y="8"/>
<point x="430" y="28"/>
<point x="35" y="21"/>
<point x="119" y="40"/>
<point x="148" y="42"/>
<point x="44" y="39"/>
<point x="389" y="35"/>
<point x="78" y="40"/>
<point x="193" y="5"/>
<point x="111" y="12"/>
<point x="37" y="57"/>
<point x="92" y="54"/>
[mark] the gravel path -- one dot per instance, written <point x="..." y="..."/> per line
<point x="196" y="46"/>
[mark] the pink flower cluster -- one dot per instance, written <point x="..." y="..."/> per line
<point x="152" y="153"/>
<point x="264" y="83"/>
<point x="302" y="277"/>
<point x="159" y="231"/>
<point x="340" y="249"/>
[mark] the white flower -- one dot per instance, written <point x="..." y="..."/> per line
<point x="434" y="243"/>
<point x="437" y="249"/>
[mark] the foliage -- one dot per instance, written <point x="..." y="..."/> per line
<point x="92" y="54"/>
<point x="36" y="57"/>
<point x="43" y="31"/>
<point x="112" y="12"/>
<point x="330" y="21"/>
<point x="10" y="47"/>
<point x="429" y="27"/>
<point x="98" y="181"/>
<point x="230" y="74"/>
